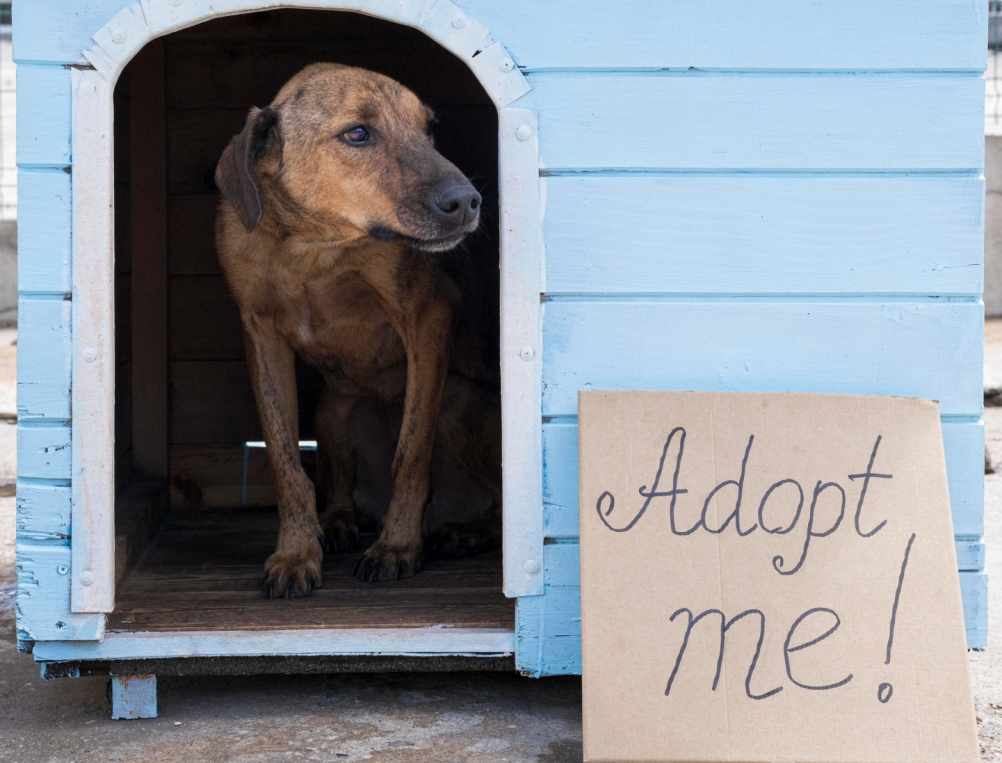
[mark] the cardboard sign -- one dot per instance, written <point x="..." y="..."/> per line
<point x="769" y="577"/>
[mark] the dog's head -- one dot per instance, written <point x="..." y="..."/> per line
<point x="344" y="153"/>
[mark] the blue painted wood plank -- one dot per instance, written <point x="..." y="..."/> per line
<point x="41" y="35"/>
<point x="43" y="597"/>
<point x="785" y="34"/>
<point x="43" y="452"/>
<point x="562" y="565"/>
<point x="43" y="231"/>
<point x="43" y="115"/>
<point x="43" y="511"/>
<point x="548" y="633"/>
<point x="43" y="372"/>
<point x="974" y="592"/>
<point x="730" y="34"/>
<point x="963" y="443"/>
<point x="930" y="350"/>
<point x="965" y="467"/>
<point x="560" y="480"/>
<point x="767" y="235"/>
<point x="755" y="122"/>
<point x="548" y="627"/>
<point x="133" y="697"/>
<point x="970" y="555"/>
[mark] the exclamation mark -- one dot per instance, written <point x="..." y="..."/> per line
<point x="885" y="690"/>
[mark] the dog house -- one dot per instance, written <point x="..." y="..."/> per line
<point x="727" y="196"/>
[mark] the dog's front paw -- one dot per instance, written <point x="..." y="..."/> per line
<point x="293" y="570"/>
<point x="383" y="561"/>
<point x="340" y="531"/>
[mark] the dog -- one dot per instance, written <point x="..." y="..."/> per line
<point x="336" y="220"/>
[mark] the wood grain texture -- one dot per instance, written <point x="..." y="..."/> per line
<point x="191" y="235"/>
<point x="123" y="423"/>
<point x="255" y="58"/>
<point x="212" y="402"/>
<point x="963" y="443"/>
<point x="150" y="403"/>
<point x="43" y="116"/>
<point x="204" y="320"/>
<point x="195" y="139"/>
<point x="43" y="231"/>
<point x="213" y="476"/>
<point x="938" y="34"/>
<point x="292" y="642"/>
<point x="203" y="573"/>
<point x="767" y="235"/>
<point x="93" y="315"/>
<point x="756" y="121"/>
<point x="43" y="373"/>
<point x="928" y="350"/>
<point x="521" y="360"/>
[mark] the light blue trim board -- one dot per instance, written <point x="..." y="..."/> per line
<point x="310" y="642"/>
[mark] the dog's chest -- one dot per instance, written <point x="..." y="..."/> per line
<point x="338" y="325"/>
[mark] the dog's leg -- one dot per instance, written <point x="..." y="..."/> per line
<point x="425" y="331"/>
<point x="336" y="468"/>
<point x="469" y="430"/>
<point x="294" y="568"/>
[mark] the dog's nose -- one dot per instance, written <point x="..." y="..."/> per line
<point x="459" y="204"/>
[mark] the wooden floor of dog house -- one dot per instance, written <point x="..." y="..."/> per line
<point x="203" y="571"/>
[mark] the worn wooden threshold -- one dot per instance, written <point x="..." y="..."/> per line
<point x="195" y="595"/>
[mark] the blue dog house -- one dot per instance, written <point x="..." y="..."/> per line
<point x="713" y="196"/>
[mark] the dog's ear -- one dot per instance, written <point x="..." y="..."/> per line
<point x="236" y="172"/>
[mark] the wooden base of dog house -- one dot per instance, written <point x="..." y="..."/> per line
<point x="193" y="605"/>
<point x="203" y="572"/>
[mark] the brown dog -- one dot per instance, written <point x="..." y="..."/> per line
<point x="335" y="201"/>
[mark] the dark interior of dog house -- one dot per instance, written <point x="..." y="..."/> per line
<point x="195" y="514"/>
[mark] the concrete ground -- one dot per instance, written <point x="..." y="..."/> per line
<point x="389" y="717"/>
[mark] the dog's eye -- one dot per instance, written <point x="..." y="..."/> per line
<point x="356" y="136"/>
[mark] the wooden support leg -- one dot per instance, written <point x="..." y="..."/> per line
<point x="133" y="697"/>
